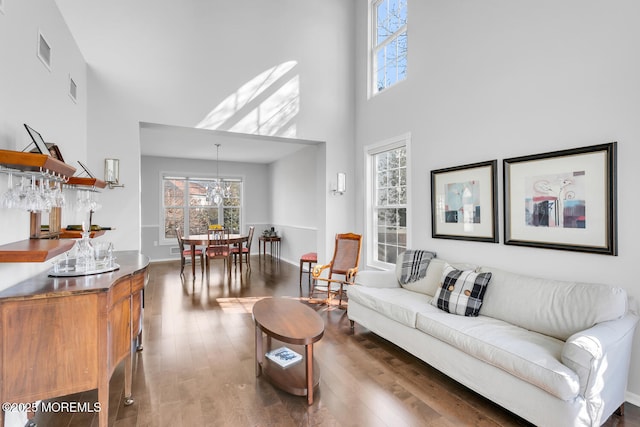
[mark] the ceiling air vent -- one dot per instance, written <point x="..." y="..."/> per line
<point x="44" y="51"/>
<point x="73" y="89"/>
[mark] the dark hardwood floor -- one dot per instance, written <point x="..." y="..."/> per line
<point x="197" y="367"/>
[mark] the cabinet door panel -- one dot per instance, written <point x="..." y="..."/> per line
<point x="136" y="314"/>
<point x="55" y="341"/>
<point x="119" y="332"/>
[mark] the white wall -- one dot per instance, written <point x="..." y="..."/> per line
<point x="498" y="79"/>
<point x="256" y="195"/>
<point x="183" y="60"/>
<point x="30" y="93"/>
<point x="296" y="206"/>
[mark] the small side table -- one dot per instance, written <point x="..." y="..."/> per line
<point x="291" y="322"/>
<point x="272" y="240"/>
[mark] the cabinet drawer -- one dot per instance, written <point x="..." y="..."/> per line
<point x="120" y="291"/>
<point x="137" y="283"/>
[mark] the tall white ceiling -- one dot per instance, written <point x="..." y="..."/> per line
<point x="132" y="40"/>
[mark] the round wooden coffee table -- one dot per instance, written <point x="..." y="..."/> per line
<point x="290" y="322"/>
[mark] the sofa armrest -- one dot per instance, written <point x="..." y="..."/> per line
<point x="600" y="356"/>
<point x="377" y="279"/>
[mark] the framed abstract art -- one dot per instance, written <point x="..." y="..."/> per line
<point x="563" y="200"/>
<point x="464" y="202"/>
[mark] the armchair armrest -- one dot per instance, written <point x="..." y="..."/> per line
<point x="318" y="269"/>
<point x="377" y="279"/>
<point x="351" y="275"/>
<point x="600" y="356"/>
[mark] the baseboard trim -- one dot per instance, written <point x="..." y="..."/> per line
<point x="154" y="260"/>
<point x="632" y="398"/>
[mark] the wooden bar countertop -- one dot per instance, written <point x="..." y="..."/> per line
<point x="43" y="286"/>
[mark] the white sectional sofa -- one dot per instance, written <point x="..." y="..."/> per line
<point x="556" y="353"/>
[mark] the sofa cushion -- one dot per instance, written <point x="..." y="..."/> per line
<point x="560" y="308"/>
<point x="461" y="291"/>
<point x="377" y="279"/>
<point x="394" y="303"/>
<point x="528" y="355"/>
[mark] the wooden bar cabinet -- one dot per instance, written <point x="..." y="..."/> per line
<point x="64" y="335"/>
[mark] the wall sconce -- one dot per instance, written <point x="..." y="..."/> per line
<point x="341" y="184"/>
<point x="112" y="173"/>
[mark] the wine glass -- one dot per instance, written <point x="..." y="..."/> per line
<point x="10" y="198"/>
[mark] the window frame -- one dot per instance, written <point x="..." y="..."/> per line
<point x="374" y="47"/>
<point x="370" y="210"/>
<point x="163" y="240"/>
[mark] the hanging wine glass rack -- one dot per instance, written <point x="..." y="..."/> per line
<point x="41" y="168"/>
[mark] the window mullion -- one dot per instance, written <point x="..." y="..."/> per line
<point x="185" y="202"/>
<point x="391" y="37"/>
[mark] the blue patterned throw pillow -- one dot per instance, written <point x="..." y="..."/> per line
<point x="461" y="291"/>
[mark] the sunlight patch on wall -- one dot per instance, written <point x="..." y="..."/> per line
<point x="273" y="114"/>
<point x="266" y="105"/>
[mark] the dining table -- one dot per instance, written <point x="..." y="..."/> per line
<point x="195" y="240"/>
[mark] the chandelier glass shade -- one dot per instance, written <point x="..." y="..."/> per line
<point x="217" y="191"/>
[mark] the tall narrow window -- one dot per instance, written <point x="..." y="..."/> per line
<point x="389" y="43"/>
<point x="185" y="204"/>
<point x="388" y="207"/>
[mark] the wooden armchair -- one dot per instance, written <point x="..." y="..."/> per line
<point x="346" y="257"/>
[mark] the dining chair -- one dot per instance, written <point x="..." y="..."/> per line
<point x="346" y="257"/>
<point x="243" y="249"/>
<point x="186" y="253"/>
<point x="218" y="248"/>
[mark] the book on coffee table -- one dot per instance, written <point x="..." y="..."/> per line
<point x="284" y="356"/>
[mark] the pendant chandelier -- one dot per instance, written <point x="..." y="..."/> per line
<point x="217" y="192"/>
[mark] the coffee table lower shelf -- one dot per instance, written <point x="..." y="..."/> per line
<point x="292" y="379"/>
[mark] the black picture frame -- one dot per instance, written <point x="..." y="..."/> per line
<point x="37" y="140"/>
<point x="565" y="200"/>
<point x="86" y="169"/>
<point x="464" y="202"/>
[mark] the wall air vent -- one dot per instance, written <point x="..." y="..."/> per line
<point x="73" y="90"/>
<point x="44" y="51"/>
<point x="174" y="250"/>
